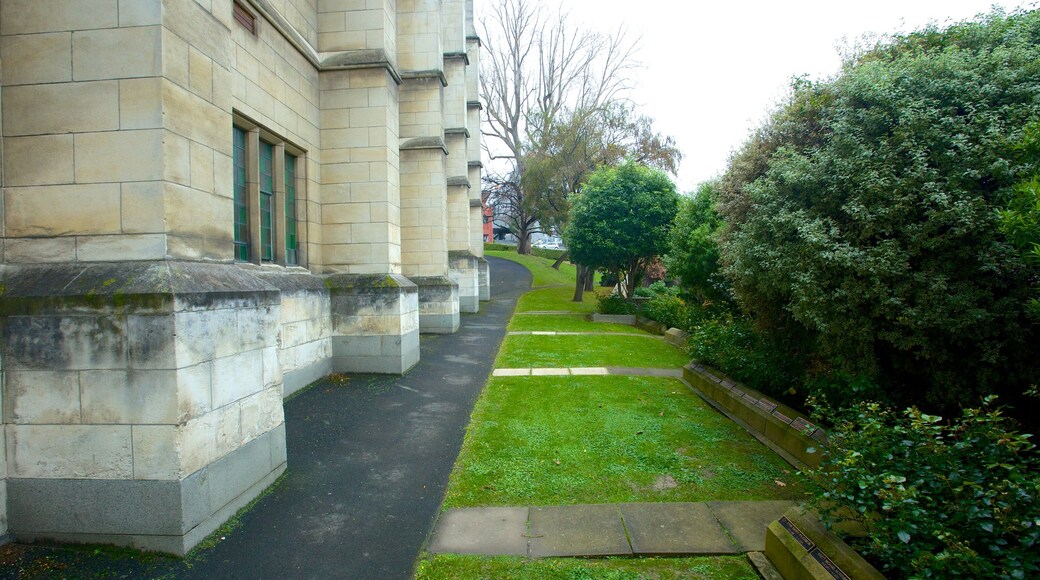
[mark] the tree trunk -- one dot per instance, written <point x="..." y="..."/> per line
<point x="590" y="278"/>
<point x="523" y="243"/>
<point x="579" y="283"/>
<point x="556" y="264"/>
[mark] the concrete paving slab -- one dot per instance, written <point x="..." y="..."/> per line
<point x="658" y="529"/>
<point x="484" y="530"/>
<point x="590" y="371"/>
<point x="746" y="521"/>
<point x="511" y="372"/>
<point x="645" y="372"/>
<point x="549" y="372"/>
<point x="580" y="530"/>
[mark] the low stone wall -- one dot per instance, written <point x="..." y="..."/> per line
<point x="629" y="319"/>
<point x="790" y="431"/>
<point x="799" y="546"/>
<point x="651" y="326"/>
<point x="677" y="337"/>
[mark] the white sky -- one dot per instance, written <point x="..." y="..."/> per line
<point x="713" y="70"/>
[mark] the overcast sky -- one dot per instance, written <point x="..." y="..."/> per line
<point x="713" y="70"/>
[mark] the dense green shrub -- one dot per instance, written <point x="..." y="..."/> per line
<point x="547" y="254"/>
<point x="731" y="345"/>
<point x="614" y="304"/>
<point x="667" y="309"/>
<point x="863" y="218"/>
<point x="936" y="499"/>
<point x="693" y="254"/>
<point x="499" y="247"/>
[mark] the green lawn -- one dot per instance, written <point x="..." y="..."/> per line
<point x="541" y="268"/>
<point x="445" y="566"/>
<point x="556" y="299"/>
<point x="566" y="323"/>
<point x="621" y="350"/>
<point x="607" y="439"/>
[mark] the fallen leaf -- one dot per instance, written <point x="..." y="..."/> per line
<point x="639" y="432"/>
<point x="556" y="461"/>
<point x="779" y="483"/>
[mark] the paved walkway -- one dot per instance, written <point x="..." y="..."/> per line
<point x="630" y="529"/>
<point x="369" y="461"/>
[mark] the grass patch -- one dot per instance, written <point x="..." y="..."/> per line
<point x="623" y="350"/>
<point x="558" y="298"/>
<point x="567" y="323"/>
<point x="607" y="439"/>
<point x="479" y="567"/>
<point x="541" y="269"/>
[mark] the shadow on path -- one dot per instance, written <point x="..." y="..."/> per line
<point x="369" y="460"/>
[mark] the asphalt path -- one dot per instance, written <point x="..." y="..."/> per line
<point x="369" y="460"/>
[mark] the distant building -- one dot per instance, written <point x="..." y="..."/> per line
<point x="488" y="217"/>
<point x="208" y="205"/>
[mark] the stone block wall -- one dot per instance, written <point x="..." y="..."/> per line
<point x="3" y="240"/>
<point x="151" y="387"/>
<point x="73" y="96"/>
<point x="304" y="336"/>
<point x="140" y="365"/>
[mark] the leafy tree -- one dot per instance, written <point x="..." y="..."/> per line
<point x="621" y="219"/>
<point x="560" y="156"/>
<point x="534" y="69"/>
<point x="693" y="254"/>
<point x="863" y="218"/>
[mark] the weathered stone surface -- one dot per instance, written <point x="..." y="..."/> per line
<point x="581" y="530"/>
<point x="674" y="528"/>
<point x="486" y="530"/>
<point x="746" y="521"/>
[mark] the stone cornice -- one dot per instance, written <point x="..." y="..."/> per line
<point x="425" y="74"/>
<point x="458" y="181"/>
<point x="424" y="143"/>
<point x="457" y="131"/>
<point x="360" y="59"/>
<point x="457" y="56"/>
<point x="325" y="61"/>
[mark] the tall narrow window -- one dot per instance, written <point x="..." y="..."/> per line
<point x="266" y="202"/>
<point x="241" y="197"/>
<point x="290" y="210"/>
<point x="268" y="185"/>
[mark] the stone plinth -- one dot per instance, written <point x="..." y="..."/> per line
<point x="438" y="304"/>
<point x="152" y="388"/>
<point x="464" y="270"/>
<point x="375" y="323"/>
<point x="484" y="281"/>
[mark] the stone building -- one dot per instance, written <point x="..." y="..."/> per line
<point x="208" y="204"/>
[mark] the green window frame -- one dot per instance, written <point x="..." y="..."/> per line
<point x="291" y="252"/>
<point x="266" y="201"/>
<point x="241" y="205"/>
<point x="268" y="184"/>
